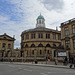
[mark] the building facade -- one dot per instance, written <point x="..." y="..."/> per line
<point x="6" y="45"/>
<point x="68" y="36"/>
<point x="40" y="42"/>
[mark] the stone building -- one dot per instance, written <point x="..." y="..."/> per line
<point x="6" y="46"/>
<point x="68" y="36"/>
<point x="40" y="42"/>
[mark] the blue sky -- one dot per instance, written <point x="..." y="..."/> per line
<point x="19" y="15"/>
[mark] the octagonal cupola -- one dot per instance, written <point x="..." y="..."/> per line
<point x="40" y="22"/>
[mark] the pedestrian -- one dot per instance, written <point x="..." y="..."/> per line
<point x="63" y="61"/>
<point x="70" y="65"/>
<point x="49" y="58"/>
<point x="66" y="60"/>
<point x="56" y="62"/>
<point x="74" y="62"/>
<point x="11" y="59"/>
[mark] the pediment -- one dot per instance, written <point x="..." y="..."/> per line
<point x="6" y="37"/>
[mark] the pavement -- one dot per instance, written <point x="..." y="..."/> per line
<point x="45" y="64"/>
<point x="12" y="68"/>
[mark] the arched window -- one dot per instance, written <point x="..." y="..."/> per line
<point x="32" y="45"/>
<point x="26" y="46"/>
<point x="40" y="45"/>
<point x="48" y="45"/>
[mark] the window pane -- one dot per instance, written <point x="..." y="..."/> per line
<point x="73" y="28"/>
<point x="54" y="36"/>
<point x="27" y="36"/>
<point x="67" y="44"/>
<point x="66" y="31"/>
<point x="9" y="45"/>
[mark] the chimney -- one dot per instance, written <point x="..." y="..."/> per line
<point x="14" y="36"/>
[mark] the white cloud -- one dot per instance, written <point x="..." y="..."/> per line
<point x="53" y="4"/>
<point x="30" y="10"/>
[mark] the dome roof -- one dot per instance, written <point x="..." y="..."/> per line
<point x="40" y="17"/>
<point x="40" y="30"/>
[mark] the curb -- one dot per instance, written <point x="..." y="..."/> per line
<point x="43" y="65"/>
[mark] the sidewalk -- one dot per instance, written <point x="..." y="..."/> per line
<point x="43" y="63"/>
<point x="49" y="64"/>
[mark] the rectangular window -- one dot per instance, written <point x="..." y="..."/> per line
<point x="9" y="45"/>
<point x="54" y="36"/>
<point x="59" y="37"/>
<point x="40" y="35"/>
<point x="67" y="44"/>
<point x="33" y="36"/>
<point x="74" y="43"/>
<point x="66" y="31"/>
<point x="27" y="36"/>
<point x="47" y="36"/>
<point x="73" y="28"/>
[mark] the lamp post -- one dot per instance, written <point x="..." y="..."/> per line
<point x="2" y="55"/>
<point x="35" y="56"/>
<point x="25" y="53"/>
<point x="22" y="56"/>
<point x="45" y="55"/>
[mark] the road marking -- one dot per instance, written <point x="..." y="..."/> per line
<point x="27" y="70"/>
<point x="43" y="73"/>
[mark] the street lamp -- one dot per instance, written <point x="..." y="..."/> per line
<point x="2" y="55"/>
<point x="22" y="56"/>
<point x="25" y="53"/>
<point x="35" y="56"/>
<point x="45" y="55"/>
